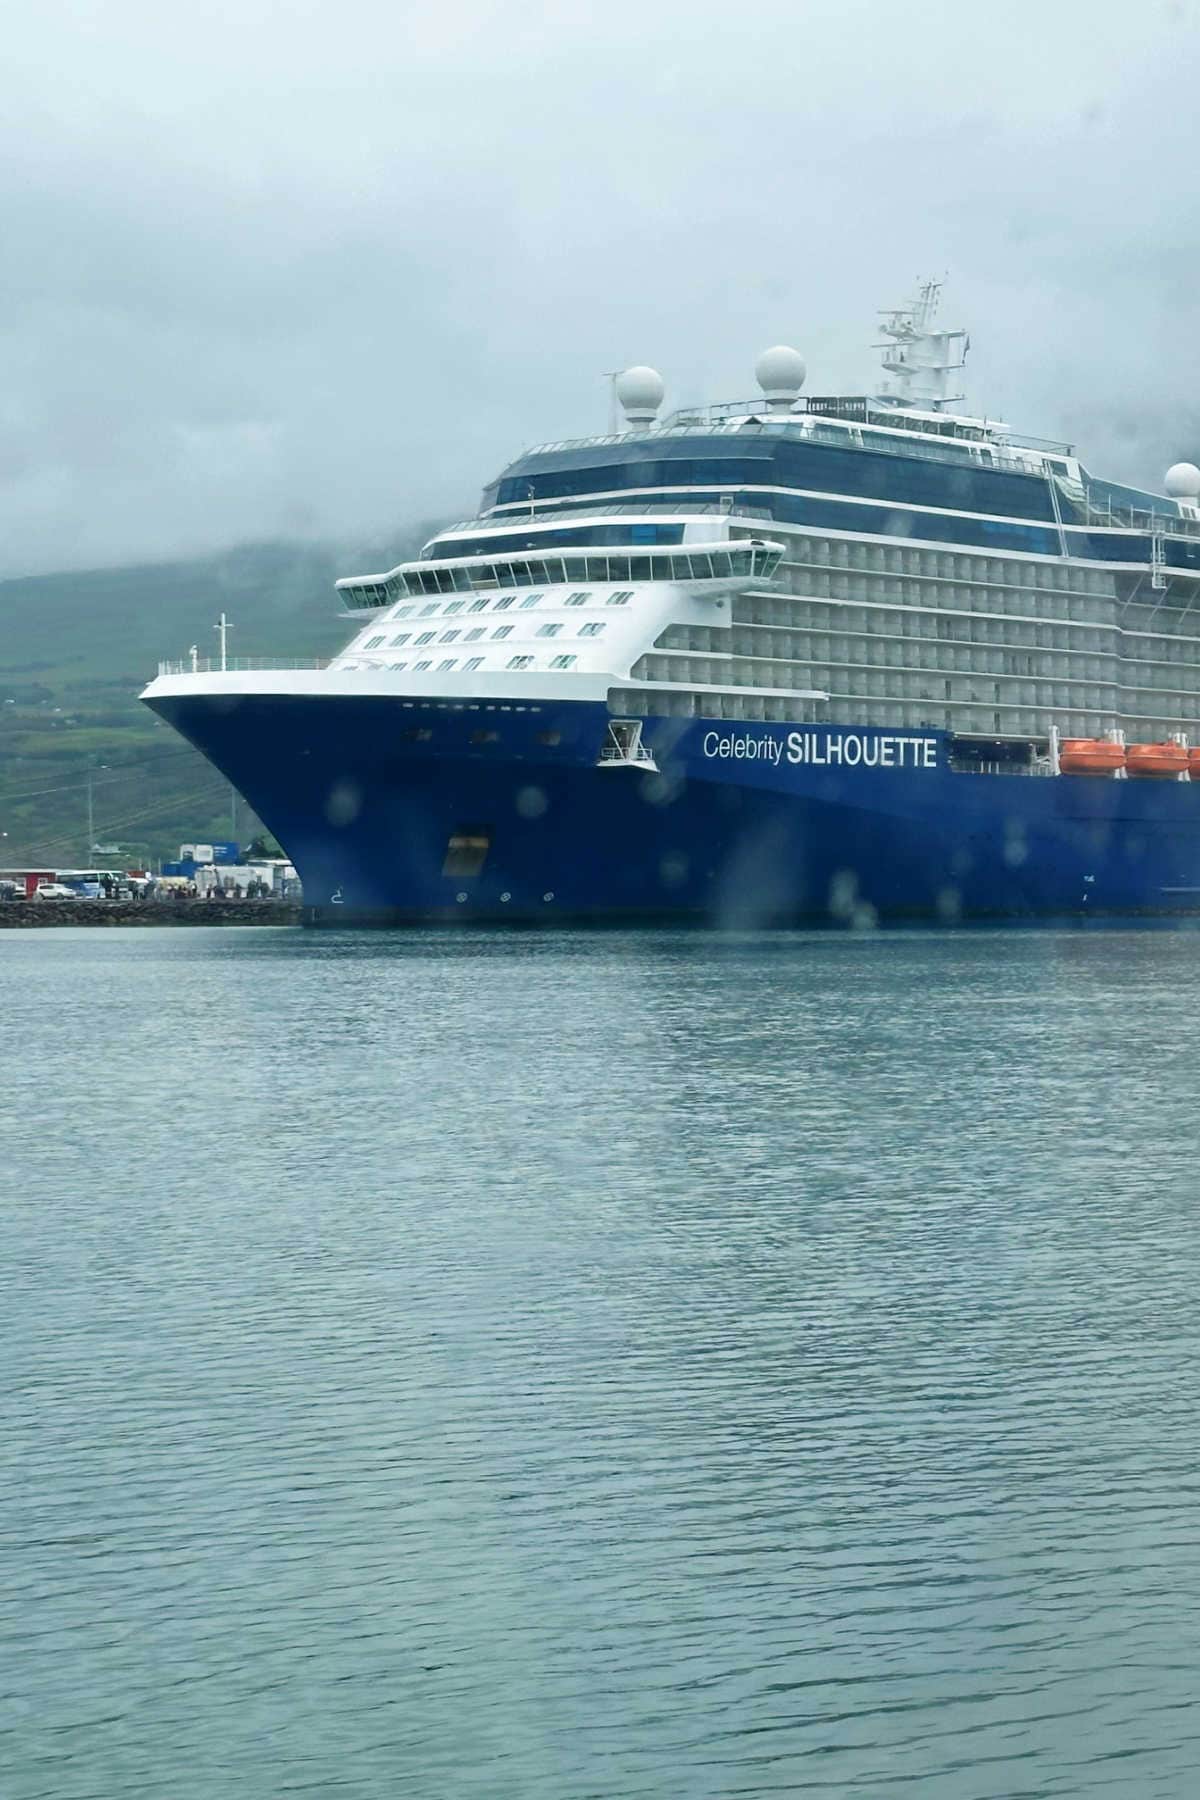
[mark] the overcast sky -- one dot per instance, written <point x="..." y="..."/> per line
<point x="318" y="267"/>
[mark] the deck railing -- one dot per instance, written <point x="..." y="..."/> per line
<point x="210" y="665"/>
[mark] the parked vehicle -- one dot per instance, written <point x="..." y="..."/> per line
<point x="54" y="890"/>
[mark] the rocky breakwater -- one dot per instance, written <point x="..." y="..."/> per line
<point x="38" y="914"/>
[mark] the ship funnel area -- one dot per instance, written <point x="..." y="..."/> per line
<point x="640" y="391"/>
<point x="780" y="374"/>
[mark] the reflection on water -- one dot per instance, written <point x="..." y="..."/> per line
<point x="629" y="1365"/>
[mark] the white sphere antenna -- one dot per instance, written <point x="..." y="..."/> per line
<point x="640" y="391"/>
<point x="780" y="374"/>
<point x="1182" y="481"/>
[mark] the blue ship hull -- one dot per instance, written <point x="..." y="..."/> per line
<point x="738" y="824"/>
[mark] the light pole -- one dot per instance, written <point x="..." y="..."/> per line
<point x="222" y="629"/>
<point x="610" y="375"/>
<point x="91" y="821"/>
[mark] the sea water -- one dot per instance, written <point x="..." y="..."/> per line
<point x="586" y="1366"/>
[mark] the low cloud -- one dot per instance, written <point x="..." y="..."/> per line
<point x="321" y="272"/>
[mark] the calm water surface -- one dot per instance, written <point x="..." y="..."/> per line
<point x="599" y="1366"/>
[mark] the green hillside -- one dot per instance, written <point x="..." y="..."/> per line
<point x="76" y="649"/>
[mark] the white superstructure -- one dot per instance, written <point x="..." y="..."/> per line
<point x="876" y="559"/>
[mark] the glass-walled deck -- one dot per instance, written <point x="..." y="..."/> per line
<point x="748" y="560"/>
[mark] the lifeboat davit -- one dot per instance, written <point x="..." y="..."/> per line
<point x="1161" y="760"/>
<point x="1090" y="756"/>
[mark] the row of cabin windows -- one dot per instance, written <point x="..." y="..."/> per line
<point x="1004" y="721"/>
<point x="502" y="602"/>
<point x="640" y="703"/>
<point x="953" y="565"/>
<point x="592" y="629"/>
<point x="904" y="653"/>
<point x="476" y="662"/>
<point x="1166" y="623"/>
<point x="860" y="585"/>
<point x="923" y="640"/>
<point x="913" y="645"/>
<point x="859" y="684"/>
<point x="450" y="662"/>
<point x="922" y="621"/>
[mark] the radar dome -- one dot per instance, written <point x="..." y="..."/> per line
<point x="1182" y="481"/>
<point x="780" y="374"/>
<point x="640" y="391"/>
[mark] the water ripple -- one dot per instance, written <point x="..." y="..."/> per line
<point x="590" y="1367"/>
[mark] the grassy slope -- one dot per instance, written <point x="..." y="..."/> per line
<point x="76" y="649"/>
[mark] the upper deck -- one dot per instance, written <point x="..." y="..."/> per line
<point x="886" y="560"/>
<point x="906" y="461"/>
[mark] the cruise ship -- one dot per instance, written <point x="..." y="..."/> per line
<point x="841" y="657"/>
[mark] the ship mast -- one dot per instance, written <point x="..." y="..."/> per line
<point x="919" y="358"/>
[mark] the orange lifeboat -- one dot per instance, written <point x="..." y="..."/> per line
<point x="1161" y="760"/>
<point x="1090" y="756"/>
<point x="1194" y="762"/>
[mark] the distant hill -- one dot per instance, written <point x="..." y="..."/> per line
<point x="75" y="651"/>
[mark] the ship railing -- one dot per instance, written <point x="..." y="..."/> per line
<point x="1004" y="460"/>
<point x="639" y="753"/>
<point x="212" y="665"/>
<point x="519" y="512"/>
<point x="1129" y="518"/>
<point x="858" y="410"/>
<point x="969" y="766"/>
<point x="958" y="452"/>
